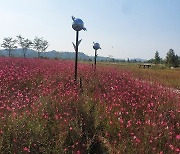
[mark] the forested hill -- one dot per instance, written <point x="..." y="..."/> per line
<point x="56" y="54"/>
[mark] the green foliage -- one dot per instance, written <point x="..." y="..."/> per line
<point x="151" y="60"/>
<point x="24" y="43"/>
<point x="9" y="44"/>
<point x="30" y="133"/>
<point x="40" y="45"/>
<point x="157" y="58"/>
<point x="172" y="59"/>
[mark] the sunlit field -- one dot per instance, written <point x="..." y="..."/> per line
<point x="114" y="109"/>
<point x="156" y="74"/>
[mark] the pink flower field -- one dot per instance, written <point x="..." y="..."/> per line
<point x="42" y="110"/>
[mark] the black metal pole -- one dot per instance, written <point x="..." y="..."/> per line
<point x="76" y="57"/>
<point x="95" y="58"/>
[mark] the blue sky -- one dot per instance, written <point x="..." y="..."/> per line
<point x="124" y="28"/>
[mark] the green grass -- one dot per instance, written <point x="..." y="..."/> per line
<point x="157" y="73"/>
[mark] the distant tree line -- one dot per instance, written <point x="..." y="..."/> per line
<point x="171" y="60"/>
<point x="39" y="44"/>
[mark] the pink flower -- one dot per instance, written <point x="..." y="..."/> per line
<point x="78" y="152"/>
<point x="129" y="124"/>
<point x="171" y="147"/>
<point x="26" y="149"/>
<point x="178" y="137"/>
<point x="71" y="128"/>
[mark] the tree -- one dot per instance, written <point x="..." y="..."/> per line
<point x="9" y="44"/>
<point x="40" y="45"/>
<point x="171" y="59"/>
<point x="44" y="45"/>
<point x="176" y="61"/>
<point x="157" y="58"/>
<point x="25" y="44"/>
<point x="151" y="60"/>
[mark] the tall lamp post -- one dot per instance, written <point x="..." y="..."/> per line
<point x="77" y="25"/>
<point x="96" y="47"/>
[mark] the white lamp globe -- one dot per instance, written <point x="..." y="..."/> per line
<point x="96" y="46"/>
<point x="78" y="24"/>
